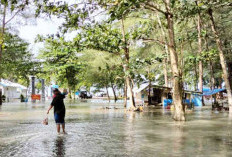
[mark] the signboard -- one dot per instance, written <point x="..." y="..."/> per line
<point x="35" y="97"/>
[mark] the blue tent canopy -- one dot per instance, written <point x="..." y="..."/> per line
<point x="55" y="86"/>
<point x="212" y="92"/>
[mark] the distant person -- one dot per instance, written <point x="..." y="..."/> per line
<point x="59" y="109"/>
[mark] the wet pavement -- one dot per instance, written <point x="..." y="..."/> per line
<point x="94" y="131"/>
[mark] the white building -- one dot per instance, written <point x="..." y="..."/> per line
<point x="11" y="90"/>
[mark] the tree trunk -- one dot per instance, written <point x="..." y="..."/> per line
<point x="222" y="60"/>
<point x="70" y="93"/>
<point x="2" y="31"/>
<point x="125" y="94"/>
<point x="181" y="61"/>
<point x="212" y="79"/>
<point x="212" y="83"/>
<point x="165" y="72"/>
<point x="166" y="51"/>
<point x="211" y="68"/>
<point x="195" y="67"/>
<point x="200" y="75"/>
<point x="115" y="96"/>
<point x="107" y="92"/>
<point x="229" y="65"/>
<point x="130" y="92"/>
<point x="179" y="113"/>
<point x="127" y="58"/>
<point x="196" y="77"/>
<point x="149" y="93"/>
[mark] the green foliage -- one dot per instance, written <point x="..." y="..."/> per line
<point x="144" y="39"/>
<point x="102" y="69"/>
<point x="60" y="61"/>
<point x="17" y="61"/>
<point x="103" y="38"/>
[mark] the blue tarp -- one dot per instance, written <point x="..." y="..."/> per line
<point x="196" y="100"/>
<point x="206" y="90"/>
<point x="212" y="92"/>
<point x="169" y="101"/>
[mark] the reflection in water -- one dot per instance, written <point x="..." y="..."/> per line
<point x="130" y="140"/>
<point x="59" y="146"/>
<point x="178" y="138"/>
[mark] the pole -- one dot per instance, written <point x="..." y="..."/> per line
<point x="33" y="86"/>
<point x="0" y="97"/>
<point x="43" y="90"/>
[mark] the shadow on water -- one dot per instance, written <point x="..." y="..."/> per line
<point x="59" y="148"/>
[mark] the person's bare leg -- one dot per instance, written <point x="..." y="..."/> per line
<point x="58" y="128"/>
<point x="63" y="128"/>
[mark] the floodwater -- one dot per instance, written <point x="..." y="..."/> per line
<point x="94" y="131"/>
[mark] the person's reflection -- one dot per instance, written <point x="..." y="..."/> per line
<point x="59" y="147"/>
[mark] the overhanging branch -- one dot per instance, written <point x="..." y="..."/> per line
<point x="153" y="8"/>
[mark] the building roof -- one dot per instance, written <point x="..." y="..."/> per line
<point x="155" y="85"/>
<point x="7" y="83"/>
<point x="140" y="88"/>
<point x="145" y="85"/>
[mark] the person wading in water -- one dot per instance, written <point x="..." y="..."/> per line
<point x="59" y="109"/>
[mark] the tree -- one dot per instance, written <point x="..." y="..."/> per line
<point x="167" y="27"/>
<point x="199" y="29"/>
<point x="9" y="9"/>
<point x="119" y="11"/>
<point x="17" y="59"/>
<point x="116" y="43"/>
<point x="222" y="59"/>
<point x="60" y="61"/>
<point x="122" y="8"/>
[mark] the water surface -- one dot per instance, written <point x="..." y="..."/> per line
<point x="94" y="131"/>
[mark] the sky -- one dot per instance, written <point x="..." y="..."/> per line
<point x="47" y="26"/>
<point x="42" y="27"/>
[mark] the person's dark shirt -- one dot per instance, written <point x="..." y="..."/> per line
<point x="58" y="103"/>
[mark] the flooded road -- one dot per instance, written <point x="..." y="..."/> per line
<point x="93" y="131"/>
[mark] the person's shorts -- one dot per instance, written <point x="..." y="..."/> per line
<point x="59" y="118"/>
